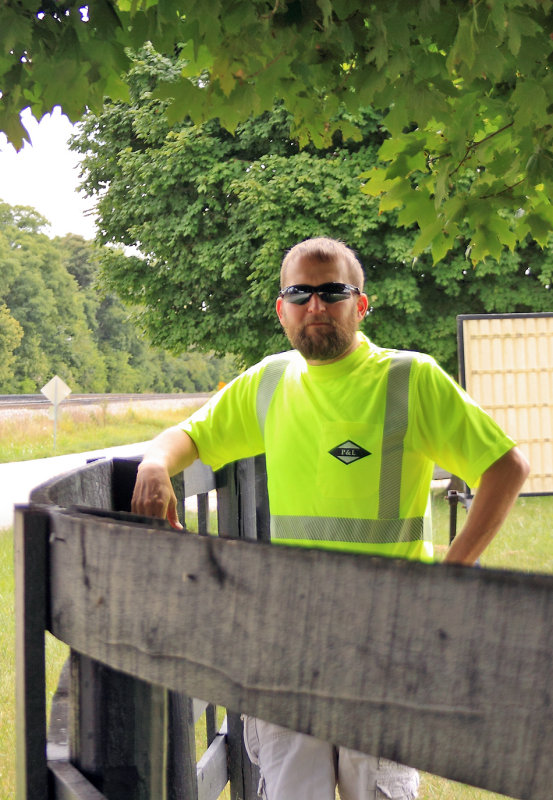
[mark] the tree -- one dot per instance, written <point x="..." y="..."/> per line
<point x="81" y="259"/>
<point x="55" y="320"/>
<point x="43" y="297"/>
<point x="131" y="363"/>
<point x="10" y="336"/>
<point x="212" y="215"/>
<point x="466" y="90"/>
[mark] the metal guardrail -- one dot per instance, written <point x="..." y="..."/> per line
<point x="30" y="401"/>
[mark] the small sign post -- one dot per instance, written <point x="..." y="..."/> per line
<point x="56" y="391"/>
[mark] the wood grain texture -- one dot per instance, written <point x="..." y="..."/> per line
<point x="448" y="669"/>
<point x="90" y="485"/>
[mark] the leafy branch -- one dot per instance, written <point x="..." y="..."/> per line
<point x="506" y="190"/>
<point x="474" y="145"/>
<point x="471" y="147"/>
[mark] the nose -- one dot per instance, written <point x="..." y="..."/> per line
<point x="315" y="304"/>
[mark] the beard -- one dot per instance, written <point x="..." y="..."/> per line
<point x="325" y="343"/>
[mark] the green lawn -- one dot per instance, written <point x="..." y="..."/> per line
<point x="80" y="429"/>
<point x="55" y="656"/>
<point x="523" y="544"/>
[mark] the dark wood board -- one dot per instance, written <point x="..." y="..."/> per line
<point x="448" y="669"/>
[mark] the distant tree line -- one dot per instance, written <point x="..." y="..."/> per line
<point x="55" y="319"/>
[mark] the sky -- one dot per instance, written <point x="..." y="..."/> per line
<point x="45" y="175"/>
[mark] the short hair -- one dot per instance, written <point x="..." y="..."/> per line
<point x="325" y="249"/>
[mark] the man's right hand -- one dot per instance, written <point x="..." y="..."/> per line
<point x="170" y="452"/>
<point x="153" y="494"/>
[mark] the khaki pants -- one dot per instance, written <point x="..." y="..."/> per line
<point x="294" y="766"/>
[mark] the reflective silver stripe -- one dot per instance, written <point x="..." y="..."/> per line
<point x="332" y="529"/>
<point x="272" y="373"/>
<point x="388" y="528"/>
<point x="395" y="427"/>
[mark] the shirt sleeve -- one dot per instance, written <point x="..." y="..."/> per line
<point x="226" y="428"/>
<point x="451" y="428"/>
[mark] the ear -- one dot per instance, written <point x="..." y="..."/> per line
<point x="279" y="308"/>
<point x="362" y="306"/>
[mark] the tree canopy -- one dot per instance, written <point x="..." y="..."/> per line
<point x="213" y="213"/>
<point x="53" y="320"/>
<point x="465" y="90"/>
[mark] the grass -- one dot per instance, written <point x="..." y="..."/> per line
<point x="7" y="668"/>
<point x="56" y="653"/>
<point x="522" y="545"/>
<point x="29" y="436"/>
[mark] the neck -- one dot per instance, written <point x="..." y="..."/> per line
<point x="314" y="362"/>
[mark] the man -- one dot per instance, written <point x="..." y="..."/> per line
<point x="351" y="432"/>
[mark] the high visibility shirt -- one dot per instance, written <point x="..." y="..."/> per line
<point x="350" y="446"/>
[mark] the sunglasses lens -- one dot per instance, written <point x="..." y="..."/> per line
<point x="328" y="292"/>
<point x="334" y="297"/>
<point x="297" y="296"/>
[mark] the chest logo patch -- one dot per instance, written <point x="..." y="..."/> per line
<point x="348" y="452"/>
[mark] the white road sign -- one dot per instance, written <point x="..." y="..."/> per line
<point x="56" y="390"/>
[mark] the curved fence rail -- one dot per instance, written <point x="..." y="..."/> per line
<point x="111" y="734"/>
<point x="448" y="669"/>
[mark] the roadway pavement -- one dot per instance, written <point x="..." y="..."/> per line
<point x="17" y="479"/>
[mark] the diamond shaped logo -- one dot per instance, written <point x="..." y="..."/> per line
<point x="347" y="452"/>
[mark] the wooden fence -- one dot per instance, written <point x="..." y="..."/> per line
<point x="448" y="669"/>
<point x="112" y="735"/>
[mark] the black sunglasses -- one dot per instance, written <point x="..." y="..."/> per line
<point x="301" y="293"/>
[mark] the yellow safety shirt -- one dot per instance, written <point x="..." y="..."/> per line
<point x="350" y="446"/>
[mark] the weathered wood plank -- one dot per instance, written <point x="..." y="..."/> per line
<point x="70" y="784"/>
<point x="181" y="768"/>
<point x="118" y="730"/>
<point x="85" y="715"/>
<point x="90" y="486"/>
<point x="30" y="547"/>
<point x="228" y="504"/>
<point x="448" y="669"/>
<point x="109" y="483"/>
<point x="262" y="500"/>
<point x="212" y="770"/>
<point x="247" y="512"/>
<point x="243" y="775"/>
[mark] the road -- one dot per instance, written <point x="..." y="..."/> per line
<point x="17" y="479"/>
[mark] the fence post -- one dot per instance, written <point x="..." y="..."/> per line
<point x="118" y="731"/>
<point x="262" y="499"/>
<point x="181" y="770"/>
<point x="30" y="544"/>
<point x="243" y="512"/>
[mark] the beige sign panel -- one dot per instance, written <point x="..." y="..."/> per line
<point x="56" y="390"/>
<point x="506" y="365"/>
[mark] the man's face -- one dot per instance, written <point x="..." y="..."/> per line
<point x="321" y="332"/>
